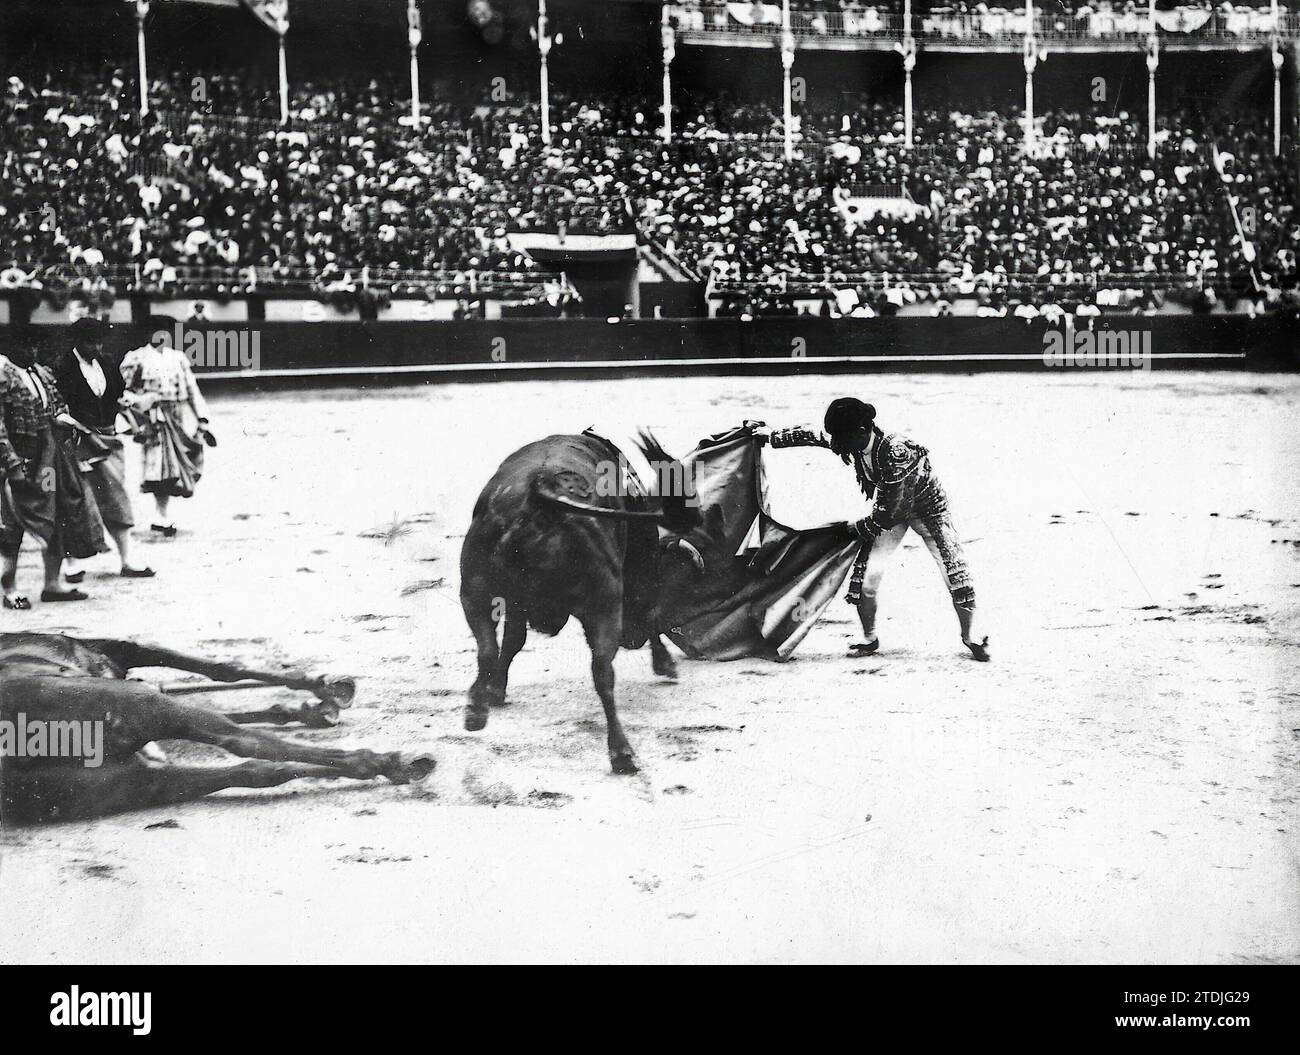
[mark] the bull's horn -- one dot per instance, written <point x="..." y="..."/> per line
<point x="652" y="448"/>
<point x="692" y="554"/>
<point x="545" y="490"/>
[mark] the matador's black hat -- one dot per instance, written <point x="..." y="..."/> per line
<point x="848" y="415"/>
<point x="85" y="330"/>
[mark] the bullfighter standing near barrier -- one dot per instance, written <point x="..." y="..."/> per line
<point x="41" y="491"/>
<point x="93" y="388"/>
<point x="897" y="473"/>
<point x="172" y="420"/>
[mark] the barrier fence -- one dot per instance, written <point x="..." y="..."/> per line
<point x="487" y="350"/>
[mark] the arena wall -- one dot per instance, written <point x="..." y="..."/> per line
<point x="244" y="353"/>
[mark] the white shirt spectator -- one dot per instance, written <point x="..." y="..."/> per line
<point x="228" y="249"/>
<point x="196" y="240"/>
<point x="90" y="256"/>
<point x="13" y="277"/>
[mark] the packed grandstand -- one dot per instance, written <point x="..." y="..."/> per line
<point x="349" y="198"/>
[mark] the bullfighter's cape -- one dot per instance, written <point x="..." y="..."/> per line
<point x="764" y="584"/>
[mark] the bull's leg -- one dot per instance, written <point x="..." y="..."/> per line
<point x="129" y="654"/>
<point x="661" y="660"/>
<point x="479" y="610"/>
<point x="604" y="631"/>
<point x="36" y="796"/>
<point x="512" y="640"/>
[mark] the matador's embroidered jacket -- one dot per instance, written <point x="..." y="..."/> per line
<point x="892" y="468"/>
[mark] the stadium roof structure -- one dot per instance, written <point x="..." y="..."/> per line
<point x="1178" y="26"/>
<point x="316" y="10"/>
<point x="1004" y="29"/>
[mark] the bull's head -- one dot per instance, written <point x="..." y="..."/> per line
<point x="679" y="507"/>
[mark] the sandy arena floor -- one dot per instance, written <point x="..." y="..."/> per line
<point x="1119" y="785"/>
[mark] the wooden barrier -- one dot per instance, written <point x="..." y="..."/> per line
<point x="497" y="349"/>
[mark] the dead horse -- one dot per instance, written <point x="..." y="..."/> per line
<point x="54" y="678"/>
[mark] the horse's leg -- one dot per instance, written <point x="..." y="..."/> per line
<point x="134" y="714"/>
<point x="323" y="715"/>
<point x="129" y="654"/>
<point x="40" y="795"/>
<point x="183" y="722"/>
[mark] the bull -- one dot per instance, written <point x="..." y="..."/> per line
<point x="548" y="542"/>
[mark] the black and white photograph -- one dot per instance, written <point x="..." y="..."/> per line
<point x="563" y="482"/>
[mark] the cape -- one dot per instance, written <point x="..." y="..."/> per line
<point x="765" y="584"/>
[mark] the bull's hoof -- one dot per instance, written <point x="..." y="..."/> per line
<point x="484" y="695"/>
<point x="623" y="765"/>
<point x="419" y="767"/>
<point x="665" y="668"/>
<point x="475" y="719"/>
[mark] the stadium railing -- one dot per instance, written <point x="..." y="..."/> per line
<point x="129" y="278"/>
<point x="64" y="280"/>
<point x="817" y="146"/>
<point x="949" y="284"/>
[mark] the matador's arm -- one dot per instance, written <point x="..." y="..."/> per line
<point x="800" y="436"/>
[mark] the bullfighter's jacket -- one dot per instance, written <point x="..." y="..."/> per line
<point x="892" y="469"/>
<point x="22" y="415"/>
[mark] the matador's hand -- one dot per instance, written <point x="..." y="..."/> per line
<point x="867" y="529"/>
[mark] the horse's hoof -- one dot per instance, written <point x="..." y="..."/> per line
<point x="324" y="715"/>
<point x="419" y="767"/>
<point x="665" y="670"/>
<point x="340" y="691"/>
<point x="152" y="755"/>
<point x="623" y="765"/>
<point x="474" y="719"/>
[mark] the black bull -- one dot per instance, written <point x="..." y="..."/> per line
<point x="548" y="542"/>
<point x="56" y="679"/>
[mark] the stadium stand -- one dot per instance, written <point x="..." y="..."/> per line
<point x="350" y="199"/>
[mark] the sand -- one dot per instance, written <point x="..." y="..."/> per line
<point x="1119" y="785"/>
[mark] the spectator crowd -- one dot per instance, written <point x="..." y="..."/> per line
<point x="210" y="191"/>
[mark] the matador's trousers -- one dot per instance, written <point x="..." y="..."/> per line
<point x="940" y="538"/>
